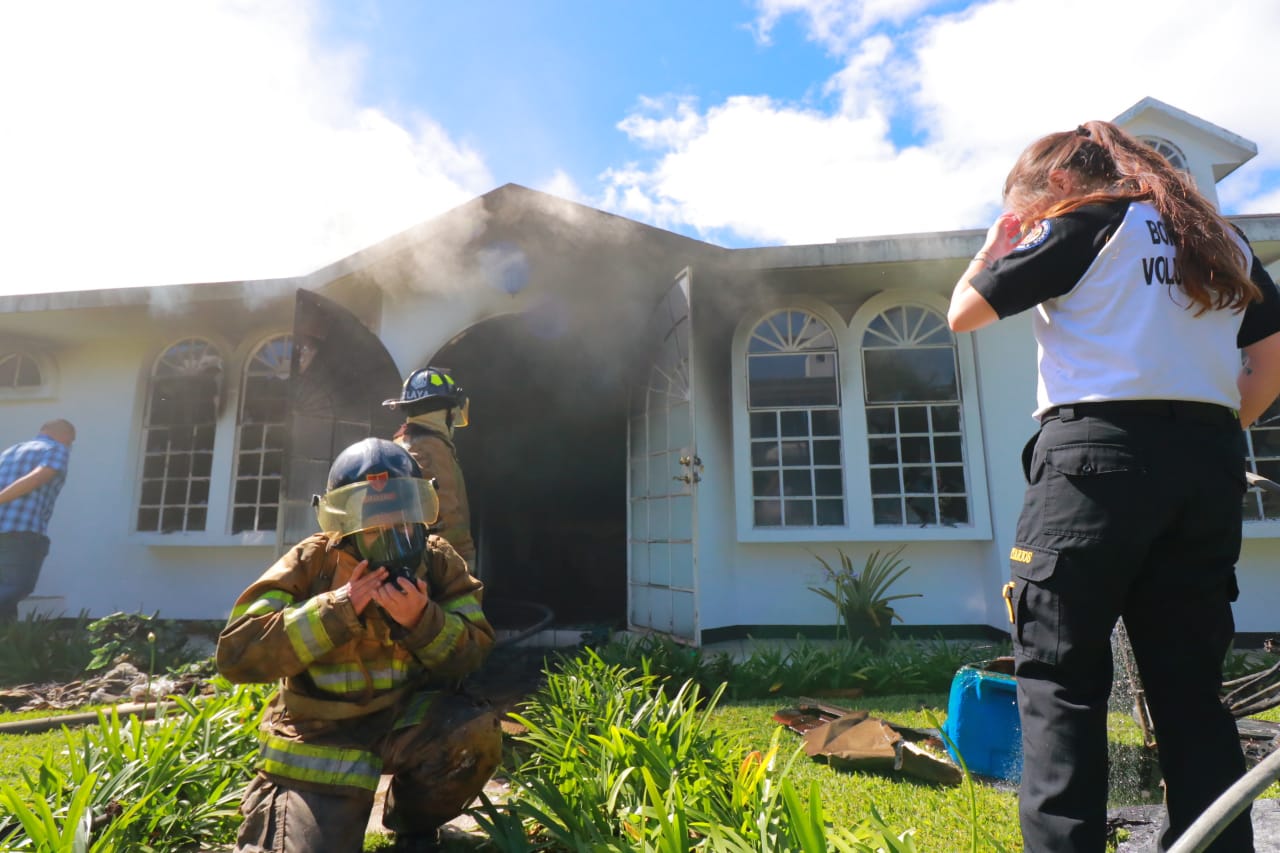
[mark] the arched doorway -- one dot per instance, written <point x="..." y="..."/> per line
<point x="545" y="460"/>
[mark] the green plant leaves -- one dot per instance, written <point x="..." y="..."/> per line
<point x="134" y="786"/>
<point x="615" y="762"/>
<point x="861" y="598"/>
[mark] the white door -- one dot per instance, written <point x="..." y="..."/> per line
<point x="664" y="470"/>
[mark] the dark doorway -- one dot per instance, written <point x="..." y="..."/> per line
<point x="545" y="462"/>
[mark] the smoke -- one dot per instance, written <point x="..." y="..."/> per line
<point x="186" y="166"/>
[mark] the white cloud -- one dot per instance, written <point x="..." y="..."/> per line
<point x="971" y="88"/>
<point x="152" y="142"/>
<point x="836" y="24"/>
<point x="562" y="185"/>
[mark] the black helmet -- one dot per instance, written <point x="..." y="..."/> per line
<point x="376" y="495"/>
<point x="431" y="389"/>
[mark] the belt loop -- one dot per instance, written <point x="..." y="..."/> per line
<point x="1067" y="413"/>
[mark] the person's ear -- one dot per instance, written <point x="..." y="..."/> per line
<point x="1061" y="182"/>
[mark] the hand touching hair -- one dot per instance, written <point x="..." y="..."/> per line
<point x="1107" y="164"/>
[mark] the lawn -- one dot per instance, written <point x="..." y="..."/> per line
<point x="940" y="815"/>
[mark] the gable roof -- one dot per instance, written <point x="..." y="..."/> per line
<point x="1232" y="150"/>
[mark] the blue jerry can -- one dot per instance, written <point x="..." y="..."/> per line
<point x="982" y="719"/>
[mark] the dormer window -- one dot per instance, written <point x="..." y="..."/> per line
<point x="1168" y="150"/>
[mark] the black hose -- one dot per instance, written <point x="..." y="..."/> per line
<point x="545" y="616"/>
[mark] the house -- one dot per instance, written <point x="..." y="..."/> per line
<point x="666" y="434"/>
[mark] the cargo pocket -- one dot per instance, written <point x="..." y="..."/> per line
<point x="1028" y="456"/>
<point x="1034" y="603"/>
<point x="1093" y="490"/>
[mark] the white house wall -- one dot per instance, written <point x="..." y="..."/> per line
<point x="96" y="562"/>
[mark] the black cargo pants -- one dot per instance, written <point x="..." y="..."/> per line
<point x="1133" y="511"/>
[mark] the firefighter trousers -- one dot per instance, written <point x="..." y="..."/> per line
<point x="437" y="768"/>
<point x="1135" y="517"/>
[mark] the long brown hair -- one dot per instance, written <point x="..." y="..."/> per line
<point x="1112" y="165"/>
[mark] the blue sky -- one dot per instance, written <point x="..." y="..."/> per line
<point x="151" y="142"/>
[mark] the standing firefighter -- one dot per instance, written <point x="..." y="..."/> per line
<point x="364" y="625"/>
<point x="434" y="405"/>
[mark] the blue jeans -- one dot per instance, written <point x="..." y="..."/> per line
<point x="21" y="556"/>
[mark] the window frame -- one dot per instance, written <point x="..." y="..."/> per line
<point x="859" y="524"/>
<point x="248" y="362"/>
<point x="813" y="466"/>
<point x="1261" y="528"/>
<point x="219" y="507"/>
<point x="46" y="389"/>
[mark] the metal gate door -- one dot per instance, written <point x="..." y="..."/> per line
<point x="663" y="474"/>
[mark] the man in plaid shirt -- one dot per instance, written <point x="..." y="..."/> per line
<point x="31" y="475"/>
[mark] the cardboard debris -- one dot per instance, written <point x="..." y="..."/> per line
<point x="855" y="740"/>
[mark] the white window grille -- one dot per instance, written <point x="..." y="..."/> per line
<point x="881" y="452"/>
<point x="915" y="442"/>
<point x="1263" y="444"/>
<point x="180" y="422"/>
<point x="19" y="370"/>
<point x="793" y="401"/>
<point x="260" y="433"/>
<point x="1168" y="151"/>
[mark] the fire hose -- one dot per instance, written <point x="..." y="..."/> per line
<point x="1228" y="806"/>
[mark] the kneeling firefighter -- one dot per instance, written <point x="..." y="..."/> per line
<point x="434" y="406"/>
<point x="365" y="626"/>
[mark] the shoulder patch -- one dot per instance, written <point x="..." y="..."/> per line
<point x="1034" y="237"/>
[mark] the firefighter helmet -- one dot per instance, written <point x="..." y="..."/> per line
<point x="429" y="390"/>
<point x="376" y="495"/>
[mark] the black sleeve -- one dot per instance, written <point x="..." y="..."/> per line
<point x="1261" y="319"/>
<point x="1050" y="260"/>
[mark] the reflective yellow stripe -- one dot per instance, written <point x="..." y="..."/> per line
<point x="466" y="606"/>
<point x="349" y="677"/>
<point x="438" y="649"/>
<point x="272" y="601"/>
<point x="325" y="765"/>
<point x="306" y="632"/>
<point x="416" y="711"/>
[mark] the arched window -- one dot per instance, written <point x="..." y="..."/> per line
<point x="1168" y="151"/>
<point x="911" y="394"/>
<point x="19" y="370"/>
<point x="874" y="453"/>
<point x="793" y="404"/>
<point x="260" y="430"/>
<point x="181" y="418"/>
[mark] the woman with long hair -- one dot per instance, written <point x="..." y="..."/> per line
<point x="1158" y="337"/>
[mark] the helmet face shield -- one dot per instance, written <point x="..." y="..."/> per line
<point x="386" y="518"/>
<point x="462" y="414"/>
<point x="378" y="503"/>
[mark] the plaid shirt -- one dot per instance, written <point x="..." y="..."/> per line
<point x="31" y="512"/>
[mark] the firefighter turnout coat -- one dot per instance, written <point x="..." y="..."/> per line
<point x="438" y="458"/>
<point x="345" y="683"/>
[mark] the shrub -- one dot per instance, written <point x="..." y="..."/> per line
<point x="42" y="648"/>
<point x="129" y="786"/>
<point x="616" y="764"/>
<point x="861" y="598"/>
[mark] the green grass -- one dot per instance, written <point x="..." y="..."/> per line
<point x="939" y="814"/>
<point x="25" y="751"/>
